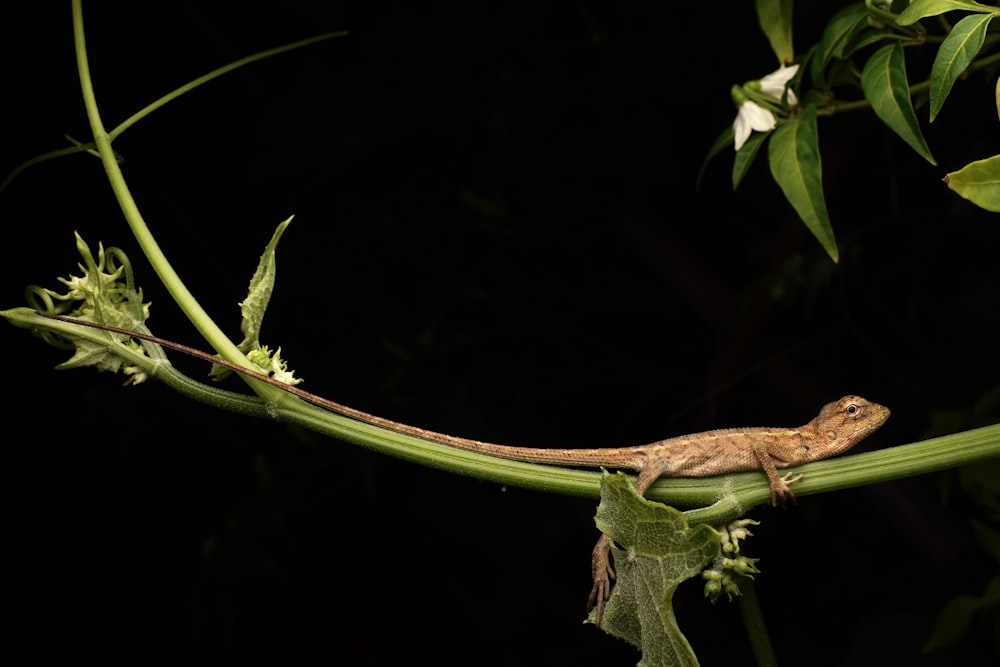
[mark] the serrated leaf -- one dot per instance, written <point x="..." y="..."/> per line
<point x="658" y="551"/>
<point x="837" y="37"/>
<point x="775" y="19"/>
<point x="746" y="155"/>
<point x="922" y="9"/>
<point x="886" y="87"/>
<point x="254" y="305"/>
<point x="957" y="51"/>
<point x="87" y="353"/>
<point x="979" y="182"/>
<point x="261" y="286"/>
<point x="793" y="154"/>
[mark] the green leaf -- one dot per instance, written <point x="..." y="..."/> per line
<point x="958" y="615"/>
<point x="837" y="37"/>
<point x="775" y="18"/>
<point x="795" y="165"/>
<point x="922" y="9"/>
<point x="746" y="156"/>
<point x="979" y="182"/>
<point x="658" y="550"/>
<point x="258" y="296"/>
<point x="887" y="89"/>
<point x="261" y="286"/>
<point x="722" y="142"/>
<point x="957" y="50"/>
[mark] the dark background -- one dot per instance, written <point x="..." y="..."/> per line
<point x="497" y="235"/>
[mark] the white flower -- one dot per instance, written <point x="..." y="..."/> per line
<point x="773" y="85"/>
<point x="752" y="116"/>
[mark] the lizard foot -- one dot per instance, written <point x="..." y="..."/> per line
<point x="782" y="491"/>
<point x="604" y="574"/>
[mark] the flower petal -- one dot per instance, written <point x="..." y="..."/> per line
<point x="759" y="118"/>
<point x="741" y="130"/>
<point x="773" y="85"/>
<point x="752" y="116"/>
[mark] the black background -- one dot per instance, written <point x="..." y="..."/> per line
<point x="497" y="235"/>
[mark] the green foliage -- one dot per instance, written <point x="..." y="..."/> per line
<point x="106" y="294"/>
<point x="837" y="41"/>
<point x="659" y="547"/>
<point x="656" y="551"/>
<point x="843" y="60"/>
<point x="775" y="18"/>
<point x="746" y="155"/>
<point x="957" y="52"/>
<point x="259" y="293"/>
<point x="253" y="308"/>
<point x="979" y="182"/>
<point x="922" y="9"/>
<point x="796" y="167"/>
<point x="961" y="612"/>
<point x="886" y="88"/>
<point x="980" y="488"/>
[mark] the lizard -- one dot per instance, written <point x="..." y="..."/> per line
<point x="839" y="426"/>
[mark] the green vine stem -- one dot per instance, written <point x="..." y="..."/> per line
<point x="180" y="293"/>
<point x="719" y="499"/>
<point x="102" y="139"/>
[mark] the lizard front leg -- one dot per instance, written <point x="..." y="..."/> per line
<point x="780" y="484"/>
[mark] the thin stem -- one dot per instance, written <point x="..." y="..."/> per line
<point x="38" y="159"/>
<point x="169" y="97"/>
<point x="180" y="293"/>
<point x="214" y="74"/>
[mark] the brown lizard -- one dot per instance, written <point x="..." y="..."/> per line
<point x="839" y="426"/>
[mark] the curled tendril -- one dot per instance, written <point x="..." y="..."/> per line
<point x="107" y="288"/>
<point x="117" y="265"/>
<point x="104" y="293"/>
<point x="41" y="299"/>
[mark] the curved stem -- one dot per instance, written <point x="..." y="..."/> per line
<point x="180" y="293"/>
<point x="214" y="74"/>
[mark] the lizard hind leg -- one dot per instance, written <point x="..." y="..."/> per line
<point x="604" y="574"/>
<point x="600" y="561"/>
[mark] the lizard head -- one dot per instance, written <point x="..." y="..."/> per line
<point x="842" y="424"/>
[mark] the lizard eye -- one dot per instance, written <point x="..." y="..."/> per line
<point x="852" y="409"/>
